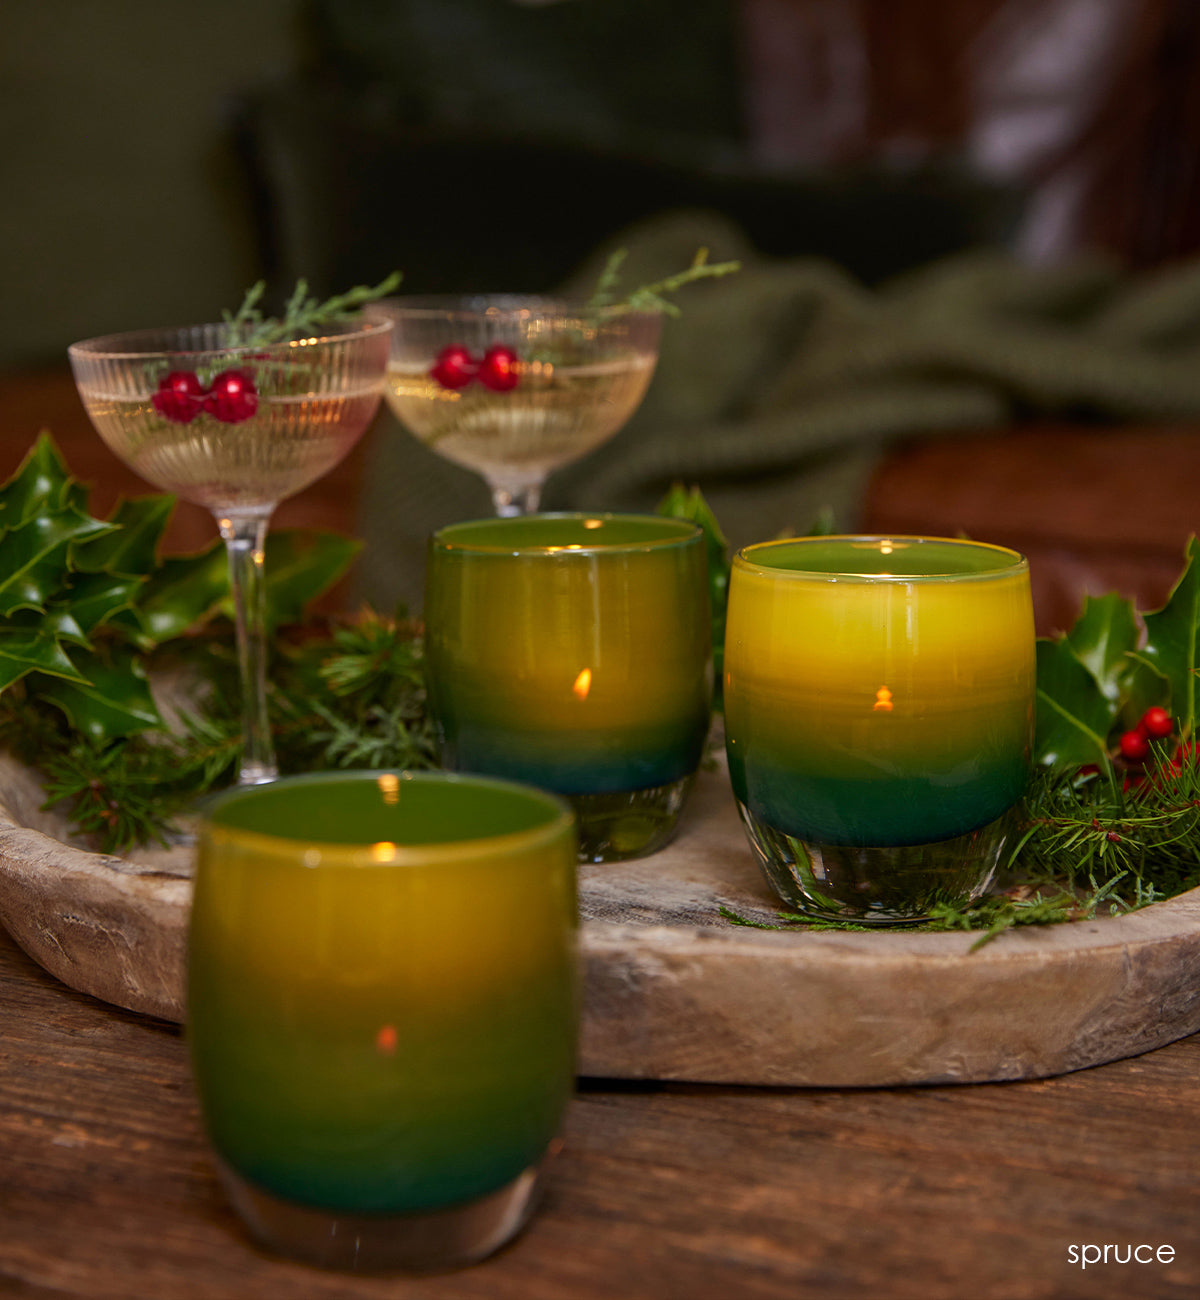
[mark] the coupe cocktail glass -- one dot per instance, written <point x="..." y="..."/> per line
<point x="879" y="697"/>
<point x="383" y="1000"/>
<point x="235" y="428"/>
<point x="514" y="387"/>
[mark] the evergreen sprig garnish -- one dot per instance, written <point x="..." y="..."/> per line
<point x="608" y="301"/>
<point x="302" y="313"/>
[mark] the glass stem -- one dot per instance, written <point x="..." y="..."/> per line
<point x="245" y="543"/>
<point x="519" y="499"/>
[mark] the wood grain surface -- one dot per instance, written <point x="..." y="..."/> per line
<point x="663" y="1191"/>
<point x="672" y="990"/>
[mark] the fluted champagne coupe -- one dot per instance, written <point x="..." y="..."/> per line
<point x="236" y="428"/>
<point x="515" y="387"/>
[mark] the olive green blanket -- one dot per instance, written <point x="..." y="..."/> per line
<point x="779" y="387"/>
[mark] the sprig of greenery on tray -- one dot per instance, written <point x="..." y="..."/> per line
<point x="90" y="615"/>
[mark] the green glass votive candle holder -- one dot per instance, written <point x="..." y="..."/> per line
<point x="879" y="698"/>
<point x="382" y="1009"/>
<point x="573" y="651"/>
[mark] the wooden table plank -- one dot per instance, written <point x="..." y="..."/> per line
<point x="663" y="1191"/>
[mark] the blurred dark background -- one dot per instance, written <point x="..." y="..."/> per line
<point x="159" y="157"/>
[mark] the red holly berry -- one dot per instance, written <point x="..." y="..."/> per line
<point x="1157" y="723"/>
<point x="1134" y="746"/>
<point x="1186" y="753"/>
<point x="455" y="367"/>
<point x="500" y="370"/>
<point x="179" y="396"/>
<point x="232" y="397"/>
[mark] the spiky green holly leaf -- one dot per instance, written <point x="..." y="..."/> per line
<point x="29" y="650"/>
<point x="40" y="485"/>
<point x="1172" y="645"/>
<point x="131" y="549"/>
<point x="1103" y="636"/>
<point x="34" y="557"/>
<point x="97" y="598"/>
<point x="300" y="564"/>
<point x="57" y="620"/>
<point x="114" y="701"/>
<point x="1073" y="713"/>
<point x="182" y="592"/>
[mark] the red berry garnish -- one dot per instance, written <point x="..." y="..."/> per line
<point x="232" y="397"/>
<point x="500" y="370"/>
<point x="454" y="367"/>
<point x="179" y="396"/>
<point x="1157" y="723"/>
<point x="1134" y="746"/>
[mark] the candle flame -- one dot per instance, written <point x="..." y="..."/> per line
<point x="383" y="851"/>
<point x="389" y="787"/>
<point x="583" y="684"/>
<point x="386" y="1039"/>
<point x="883" y="700"/>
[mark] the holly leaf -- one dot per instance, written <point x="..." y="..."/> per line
<point x="57" y="620"/>
<point x="28" y="650"/>
<point x="1172" y="636"/>
<point x="113" y="701"/>
<point x="33" y="557"/>
<point x="182" y="592"/>
<point x="96" y="598"/>
<point x="131" y="549"/>
<point x="39" y="486"/>
<point x="300" y="564"/>
<point x="1073" y="713"/>
<point x="1103" y="636"/>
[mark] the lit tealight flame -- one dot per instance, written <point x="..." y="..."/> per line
<point x="384" y="850"/>
<point x="593" y="523"/>
<point x="386" y="1040"/>
<point x="583" y="684"/>
<point x="389" y="787"/>
<point x="886" y="548"/>
<point x="883" y="700"/>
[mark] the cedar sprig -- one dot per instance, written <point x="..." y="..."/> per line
<point x="652" y="297"/>
<point x="302" y="313"/>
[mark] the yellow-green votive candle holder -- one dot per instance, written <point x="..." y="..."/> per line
<point x="879" y="698"/>
<point x="382" y="1007"/>
<point x="573" y="651"/>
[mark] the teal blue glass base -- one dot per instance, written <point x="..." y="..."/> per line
<point x="877" y="884"/>
<point x="433" y="1241"/>
<point x="915" y="807"/>
<point x="575" y="763"/>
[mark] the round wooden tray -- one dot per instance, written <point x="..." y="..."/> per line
<point x="673" y="991"/>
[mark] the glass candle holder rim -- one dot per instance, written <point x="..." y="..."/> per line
<point x="502" y="307"/>
<point x="367" y="853"/>
<point x="120" y="346"/>
<point x="1013" y="561"/>
<point x="676" y="532"/>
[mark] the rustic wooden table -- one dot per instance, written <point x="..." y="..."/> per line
<point x="662" y="1191"/>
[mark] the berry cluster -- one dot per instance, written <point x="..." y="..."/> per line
<point x="1156" y="724"/>
<point x="1135" y="751"/>
<point x="498" y="369"/>
<point x="230" y="398"/>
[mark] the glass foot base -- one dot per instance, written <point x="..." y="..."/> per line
<point x="628" y="823"/>
<point x="431" y="1242"/>
<point x="877" y="885"/>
